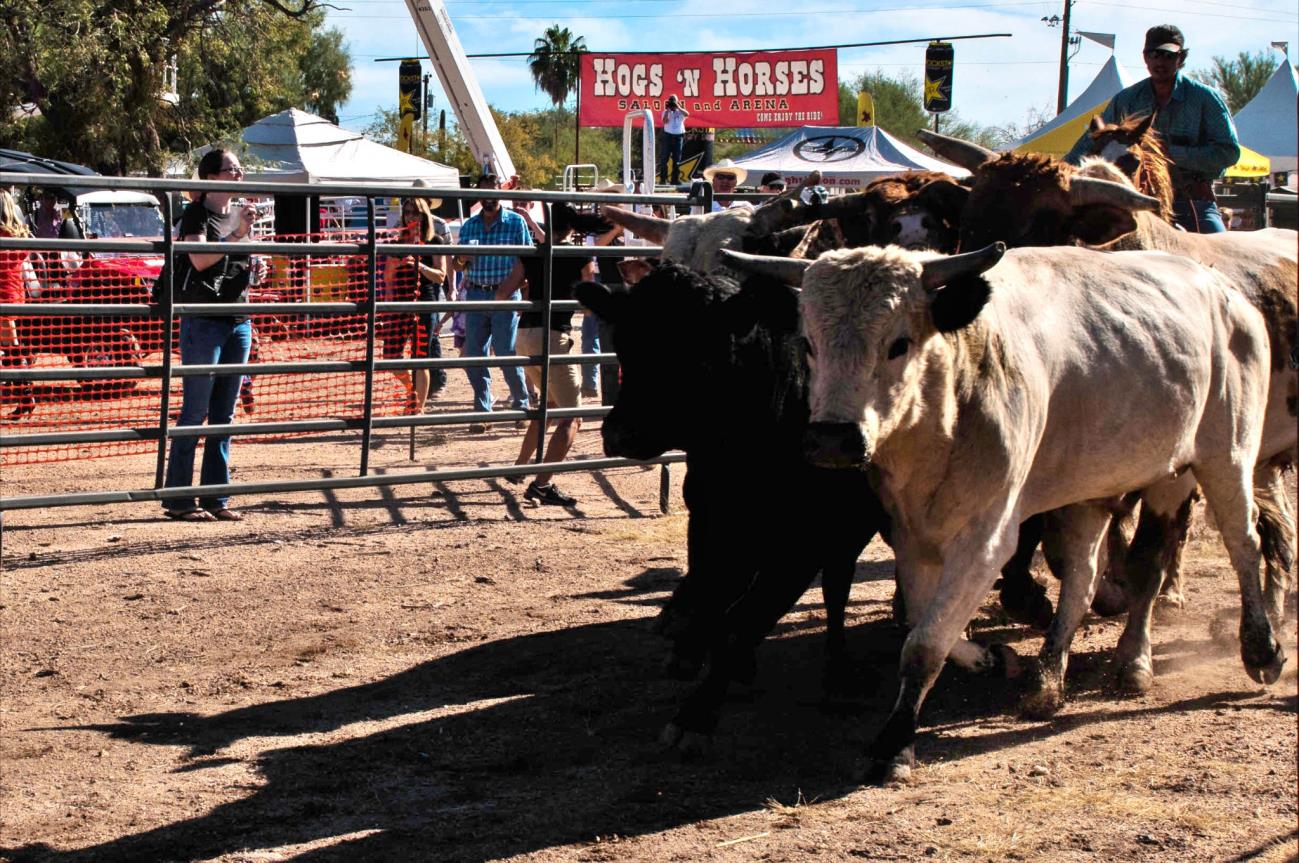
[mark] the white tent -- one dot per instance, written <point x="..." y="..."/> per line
<point x="296" y="147"/>
<point x="848" y="157"/>
<point x="1058" y="136"/>
<point x="1267" y="124"/>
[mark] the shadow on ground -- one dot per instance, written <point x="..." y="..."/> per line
<point x="550" y="739"/>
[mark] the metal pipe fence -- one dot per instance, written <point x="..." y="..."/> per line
<point x="168" y="313"/>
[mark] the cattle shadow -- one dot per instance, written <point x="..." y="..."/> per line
<point x="526" y="743"/>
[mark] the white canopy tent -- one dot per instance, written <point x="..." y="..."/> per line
<point x="1058" y="136"/>
<point x="1267" y="124"/>
<point x="848" y="157"/>
<point x="296" y="147"/>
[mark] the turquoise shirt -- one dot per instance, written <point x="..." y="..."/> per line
<point x="508" y="229"/>
<point x="1195" y="125"/>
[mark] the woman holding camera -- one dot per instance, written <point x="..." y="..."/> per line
<point x="215" y="277"/>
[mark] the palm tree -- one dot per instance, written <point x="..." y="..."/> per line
<point x="555" y="65"/>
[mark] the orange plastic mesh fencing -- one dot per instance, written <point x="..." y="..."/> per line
<point x="84" y="341"/>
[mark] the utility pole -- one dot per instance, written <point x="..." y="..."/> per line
<point x="1062" y="98"/>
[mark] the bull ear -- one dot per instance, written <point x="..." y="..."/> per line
<point x="948" y="199"/>
<point x="601" y="300"/>
<point x="1098" y="224"/>
<point x="1144" y="125"/>
<point x="956" y="305"/>
<point x="1097" y="124"/>
<point x="957" y="289"/>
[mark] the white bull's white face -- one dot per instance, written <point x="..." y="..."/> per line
<point x="857" y="307"/>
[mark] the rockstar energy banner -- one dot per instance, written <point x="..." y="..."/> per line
<point x="938" y="77"/>
<point x="408" y="99"/>
<point x="724" y="91"/>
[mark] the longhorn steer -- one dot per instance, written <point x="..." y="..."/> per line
<point x="982" y="400"/>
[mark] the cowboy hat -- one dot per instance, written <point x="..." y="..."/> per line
<point x="421" y="183"/>
<point x="726" y="166"/>
<point x="607" y="185"/>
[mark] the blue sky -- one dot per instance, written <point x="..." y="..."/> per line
<point x="997" y="81"/>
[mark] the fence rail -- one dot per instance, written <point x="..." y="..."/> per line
<point x="166" y="315"/>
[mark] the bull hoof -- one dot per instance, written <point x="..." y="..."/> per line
<point x="890" y="771"/>
<point x="1005" y="661"/>
<point x="1110" y="600"/>
<point x="1042" y="703"/>
<point x="1262" y="667"/>
<point x="1135" y="679"/>
<point x="672" y="622"/>
<point x="1030" y="607"/>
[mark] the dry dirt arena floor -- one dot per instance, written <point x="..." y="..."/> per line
<point x="439" y="672"/>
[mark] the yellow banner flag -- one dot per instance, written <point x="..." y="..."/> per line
<point x="865" y="109"/>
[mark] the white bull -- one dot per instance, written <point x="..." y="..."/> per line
<point x="1061" y="377"/>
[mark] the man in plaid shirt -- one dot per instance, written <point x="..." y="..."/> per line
<point x="1193" y="121"/>
<point x="493" y="277"/>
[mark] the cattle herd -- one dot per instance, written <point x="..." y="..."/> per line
<point x="968" y="368"/>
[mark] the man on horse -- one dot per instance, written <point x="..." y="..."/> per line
<point x="1193" y="121"/>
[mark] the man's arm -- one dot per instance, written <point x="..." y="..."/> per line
<point x="511" y="282"/>
<point x="1218" y="149"/>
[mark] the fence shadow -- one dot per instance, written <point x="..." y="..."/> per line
<point x="546" y="739"/>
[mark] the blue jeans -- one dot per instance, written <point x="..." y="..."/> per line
<point x="672" y="148"/>
<point x="1198" y="216"/>
<point x="590" y="345"/>
<point x="206" y="341"/>
<point x="501" y="330"/>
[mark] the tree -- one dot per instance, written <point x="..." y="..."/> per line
<point x="556" y="66"/>
<point x="1238" y="80"/>
<point x="94" y="71"/>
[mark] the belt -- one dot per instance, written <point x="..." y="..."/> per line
<point x="486" y="287"/>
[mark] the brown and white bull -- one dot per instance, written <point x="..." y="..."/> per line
<point x="1032" y="200"/>
<point x="920" y="209"/>
<point x="1057" y="378"/>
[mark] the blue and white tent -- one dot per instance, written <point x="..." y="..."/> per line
<point x="1267" y="125"/>
<point x="848" y="157"/>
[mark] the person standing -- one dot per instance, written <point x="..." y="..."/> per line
<point x="493" y="277"/>
<point x="13" y="290"/>
<point x="216" y="277"/>
<point x="1193" y="121"/>
<point x="674" y="137"/>
<point x="563" y="386"/>
<point x="434" y="282"/>
<point x="725" y="176"/>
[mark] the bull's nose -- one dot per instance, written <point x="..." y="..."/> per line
<point x="835" y="445"/>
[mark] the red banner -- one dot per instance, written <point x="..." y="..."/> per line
<point x="726" y="91"/>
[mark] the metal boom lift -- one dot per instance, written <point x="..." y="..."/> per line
<point x="460" y="85"/>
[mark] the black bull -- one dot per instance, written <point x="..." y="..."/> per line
<point x="718" y="370"/>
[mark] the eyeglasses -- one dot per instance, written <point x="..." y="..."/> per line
<point x="231" y="169"/>
<point x="730" y="178"/>
<point x="1161" y="54"/>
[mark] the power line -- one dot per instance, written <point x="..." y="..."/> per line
<point x="925" y="39"/>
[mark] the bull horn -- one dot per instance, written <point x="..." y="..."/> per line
<point x="1092" y="190"/>
<point x="650" y="228"/>
<point x="967" y="154"/>
<point x="788" y="270"/>
<point x="943" y="271"/>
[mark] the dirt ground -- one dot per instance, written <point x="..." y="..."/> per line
<point x="443" y="673"/>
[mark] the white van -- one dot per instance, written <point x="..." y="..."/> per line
<point x="120" y="215"/>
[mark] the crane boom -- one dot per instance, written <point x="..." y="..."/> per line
<point x="460" y="85"/>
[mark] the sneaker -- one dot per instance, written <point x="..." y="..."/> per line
<point x="520" y="424"/>
<point x="590" y="393"/>
<point x="547" y="495"/>
<point x="477" y="428"/>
